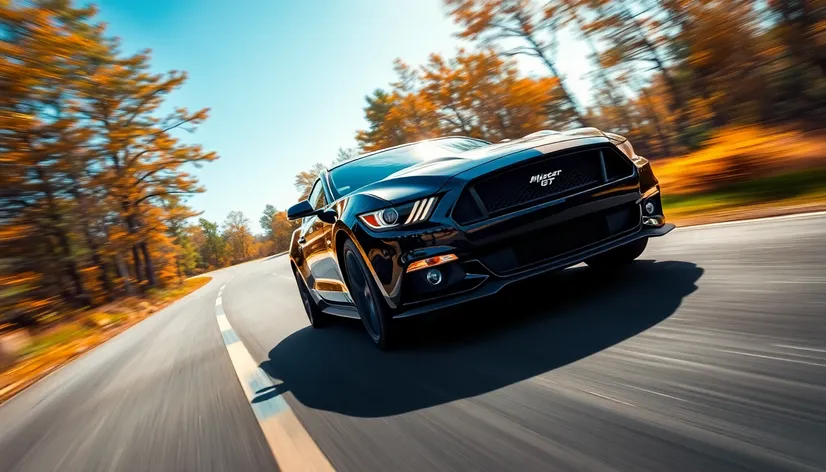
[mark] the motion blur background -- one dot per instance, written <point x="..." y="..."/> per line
<point x="727" y="98"/>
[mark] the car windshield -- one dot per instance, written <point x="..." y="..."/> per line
<point x="364" y="171"/>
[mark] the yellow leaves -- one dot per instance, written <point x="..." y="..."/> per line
<point x="474" y="15"/>
<point x="474" y="94"/>
<point x="90" y="165"/>
<point x="732" y="151"/>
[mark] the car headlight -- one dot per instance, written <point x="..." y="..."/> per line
<point x="625" y="146"/>
<point x="407" y="214"/>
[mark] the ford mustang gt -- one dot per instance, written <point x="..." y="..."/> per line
<point x="432" y="224"/>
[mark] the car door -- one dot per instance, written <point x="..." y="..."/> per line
<point x="324" y="276"/>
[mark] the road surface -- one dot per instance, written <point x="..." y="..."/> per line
<point x="708" y="354"/>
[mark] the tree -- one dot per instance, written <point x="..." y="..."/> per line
<point x="42" y="53"/>
<point x="240" y="241"/>
<point x="213" y="249"/>
<point x="345" y="154"/>
<point x="476" y="94"/>
<point x="186" y="253"/>
<point x="266" y="220"/>
<point x="304" y="180"/>
<point x="481" y="95"/>
<point x="500" y="22"/>
<point x="144" y="160"/>
<point x="377" y="113"/>
<point x="282" y="230"/>
<point x="91" y="169"/>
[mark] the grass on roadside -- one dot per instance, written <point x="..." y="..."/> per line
<point x="765" y="196"/>
<point x="786" y="188"/>
<point x="55" y="346"/>
<point x="775" y="188"/>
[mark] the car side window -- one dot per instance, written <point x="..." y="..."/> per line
<point x="317" y="198"/>
<point x="314" y="193"/>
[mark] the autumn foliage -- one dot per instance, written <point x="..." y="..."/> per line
<point x="725" y="90"/>
<point x="94" y="169"/>
<point x="478" y="94"/>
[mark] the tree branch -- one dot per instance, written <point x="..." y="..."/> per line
<point x="160" y="194"/>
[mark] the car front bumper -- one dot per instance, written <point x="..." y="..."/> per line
<point x="484" y="282"/>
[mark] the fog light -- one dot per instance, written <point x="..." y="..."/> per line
<point x="434" y="276"/>
<point x="649" y="208"/>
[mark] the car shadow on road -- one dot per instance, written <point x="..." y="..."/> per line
<point x="525" y="331"/>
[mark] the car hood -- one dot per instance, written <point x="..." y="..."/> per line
<point x="423" y="179"/>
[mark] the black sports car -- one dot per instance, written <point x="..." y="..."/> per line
<point x="427" y="225"/>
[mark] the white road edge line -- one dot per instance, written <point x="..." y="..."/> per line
<point x="657" y="393"/>
<point x="291" y="444"/>
<point x="755" y="220"/>
<point x="799" y="348"/>
<point x="771" y="357"/>
<point x="609" y="398"/>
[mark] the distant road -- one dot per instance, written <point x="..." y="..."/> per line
<point x="708" y="354"/>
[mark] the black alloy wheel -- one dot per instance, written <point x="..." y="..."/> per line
<point x="373" y="311"/>
<point x="318" y="319"/>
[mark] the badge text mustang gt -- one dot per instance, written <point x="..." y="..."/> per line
<point x="545" y="179"/>
<point x="432" y="224"/>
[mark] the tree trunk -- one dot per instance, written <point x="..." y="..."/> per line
<point x="71" y="268"/>
<point x="676" y="105"/>
<point x="542" y="54"/>
<point x="150" y="270"/>
<point x="83" y="218"/>
<point x="136" y="258"/>
<point x="105" y="281"/>
<point x="606" y="81"/>
<point x="123" y="271"/>
<point x="655" y="118"/>
<point x="565" y="93"/>
<point x="57" y="273"/>
<point x="70" y="265"/>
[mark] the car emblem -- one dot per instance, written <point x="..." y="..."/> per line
<point x="545" y="179"/>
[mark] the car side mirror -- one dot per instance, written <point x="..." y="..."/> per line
<point x="301" y="209"/>
<point x="329" y="215"/>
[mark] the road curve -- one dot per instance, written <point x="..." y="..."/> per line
<point x="707" y="354"/>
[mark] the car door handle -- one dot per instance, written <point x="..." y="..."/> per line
<point x="301" y="240"/>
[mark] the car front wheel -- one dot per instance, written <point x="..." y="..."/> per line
<point x="318" y="319"/>
<point x="620" y="256"/>
<point x="373" y="310"/>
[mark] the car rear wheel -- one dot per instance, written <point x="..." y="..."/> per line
<point x="373" y="311"/>
<point x="620" y="256"/>
<point x="318" y="319"/>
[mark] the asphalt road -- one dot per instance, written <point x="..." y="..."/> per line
<point x="707" y="354"/>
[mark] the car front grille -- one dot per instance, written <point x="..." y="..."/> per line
<point x="554" y="241"/>
<point x="546" y="178"/>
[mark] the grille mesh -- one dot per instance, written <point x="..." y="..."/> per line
<point x="516" y="187"/>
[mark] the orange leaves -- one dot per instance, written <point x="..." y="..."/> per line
<point x="740" y="153"/>
<point x="90" y="164"/>
<point x="474" y="15"/>
<point x="475" y="94"/>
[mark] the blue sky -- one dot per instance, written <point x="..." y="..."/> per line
<point x="285" y="80"/>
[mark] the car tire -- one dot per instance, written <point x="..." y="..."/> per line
<point x="318" y="319"/>
<point x="373" y="310"/>
<point x="620" y="256"/>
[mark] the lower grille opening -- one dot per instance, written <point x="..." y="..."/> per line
<point x="554" y="241"/>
